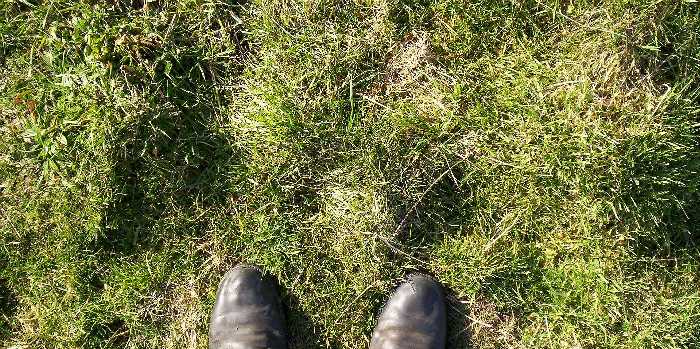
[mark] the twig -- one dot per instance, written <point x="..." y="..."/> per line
<point x="503" y="233"/>
<point x="430" y="187"/>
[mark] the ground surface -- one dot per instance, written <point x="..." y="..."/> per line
<point x="540" y="158"/>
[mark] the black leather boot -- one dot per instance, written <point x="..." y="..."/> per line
<point x="247" y="313"/>
<point x="413" y="318"/>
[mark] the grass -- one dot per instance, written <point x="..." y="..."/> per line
<point x="540" y="158"/>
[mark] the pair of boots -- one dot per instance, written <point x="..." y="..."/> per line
<point x="248" y="314"/>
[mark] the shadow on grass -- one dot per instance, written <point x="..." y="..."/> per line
<point x="303" y="331"/>
<point x="659" y="188"/>
<point x="664" y="205"/>
<point x="170" y="162"/>
<point x="422" y="221"/>
<point x="423" y="218"/>
<point x="113" y="333"/>
<point x="667" y="49"/>
<point x="172" y="168"/>
<point x="458" y="324"/>
<point x="8" y="307"/>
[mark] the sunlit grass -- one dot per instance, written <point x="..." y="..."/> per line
<point x="539" y="158"/>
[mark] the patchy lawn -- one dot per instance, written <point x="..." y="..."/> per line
<point x="540" y="158"/>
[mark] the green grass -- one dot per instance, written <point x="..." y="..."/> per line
<point x="540" y="158"/>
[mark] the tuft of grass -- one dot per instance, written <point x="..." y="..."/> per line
<point x="539" y="158"/>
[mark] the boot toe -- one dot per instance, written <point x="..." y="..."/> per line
<point x="414" y="317"/>
<point x="247" y="312"/>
